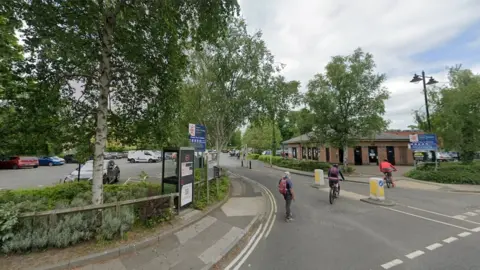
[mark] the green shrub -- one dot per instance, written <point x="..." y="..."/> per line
<point x="302" y="165"/>
<point x="253" y="156"/>
<point x="201" y="192"/>
<point x="27" y="234"/>
<point x="448" y="173"/>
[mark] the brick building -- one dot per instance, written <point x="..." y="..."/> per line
<point x="367" y="152"/>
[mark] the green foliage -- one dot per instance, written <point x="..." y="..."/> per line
<point x="201" y="200"/>
<point x="222" y="90"/>
<point x="448" y="173"/>
<point x="253" y="156"/>
<point x="301" y="165"/>
<point x="236" y="139"/>
<point x="457" y="113"/>
<point x="260" y="136"/>
<point x="347" y="101"/>
<point x="25" y="234"/>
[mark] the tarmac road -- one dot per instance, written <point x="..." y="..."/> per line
<point x="425" y="230"/>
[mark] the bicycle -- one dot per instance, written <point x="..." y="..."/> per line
<point x="334" y="192"/>
<point x="388" y="179"/>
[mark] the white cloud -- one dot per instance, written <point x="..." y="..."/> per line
<point x="304" y="34"/>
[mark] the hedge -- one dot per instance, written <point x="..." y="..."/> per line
<point x="29" y="234"/>
<point x="253" y="156"/>
<point x="448" y="173"/>
<point x="302" y="165"/>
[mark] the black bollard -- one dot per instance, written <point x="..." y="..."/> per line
<point x="250" y="164"/>
<point x="242" y="163"/>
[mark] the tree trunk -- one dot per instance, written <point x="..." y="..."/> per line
<point x="217" y="147"/>
<point x="102" y="111"/>
<point x="345" y="155"/>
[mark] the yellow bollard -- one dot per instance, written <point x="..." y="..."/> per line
<point x="377" y="191"/>
<point x="319" y="177"/>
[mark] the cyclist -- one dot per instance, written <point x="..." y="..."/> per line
<point x="333" y="175"/>
<point x="387" y="168"/>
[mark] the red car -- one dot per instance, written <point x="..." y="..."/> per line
<point x="18" y="162"/>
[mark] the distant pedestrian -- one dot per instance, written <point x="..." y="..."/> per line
<point x="285" y="187"/>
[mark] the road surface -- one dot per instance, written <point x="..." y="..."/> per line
<point x="425" y="230"/>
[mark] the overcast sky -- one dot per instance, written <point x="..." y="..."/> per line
<point x="405" y="36"/>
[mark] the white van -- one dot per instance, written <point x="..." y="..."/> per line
<point x="143" y="156"/>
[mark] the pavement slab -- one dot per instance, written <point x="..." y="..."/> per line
<point x="202" y="243"/>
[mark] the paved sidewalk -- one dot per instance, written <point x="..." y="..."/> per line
<point x="203" y="243"/>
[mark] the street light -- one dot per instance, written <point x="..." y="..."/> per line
<point x="417" y="78"/>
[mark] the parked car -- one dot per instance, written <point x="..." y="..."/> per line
<point x="18" y="162"/>
<point x="70" y="159"/>
<point x="61" y="159"/>
<point x="49" y="161"/>
<point x="110" y="155"/>
<point x="111" y="172"/>
<point x="142" y="156"/>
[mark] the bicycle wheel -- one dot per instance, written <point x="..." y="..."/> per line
<point x="388" y="182"/>
<point x="332" y="195"/>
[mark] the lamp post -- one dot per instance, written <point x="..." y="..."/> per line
<point x="417" y="78"/>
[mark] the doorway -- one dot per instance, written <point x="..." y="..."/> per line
<point x="340" y="156"/>
<point x="304" y="153"/>
<point x="294" y="152"/>
<point x="357" y="154"/>
<point x="391" y="154"/>
<point x="373" y="154"/>
<point x="327" y="154"/>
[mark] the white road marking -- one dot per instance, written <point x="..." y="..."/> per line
<point x="450" y="240"/>
<point x="246" y="247"/>
<point x="434" y="246"/>
<point x="274" y="205"/>
<point x="414" y="254"/>
<point x="247" y="250"/>
<point x="425" y="218"/>
<point x="464" y="234"/>
<point x="392" y="264"/>
<point x="472" y="214"/>
<point x="460" y="217"/>
<point x="476" y="229"/>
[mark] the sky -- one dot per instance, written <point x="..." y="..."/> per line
<point x="404" y="36"/>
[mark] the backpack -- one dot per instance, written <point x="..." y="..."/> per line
<point x="282" y="186"/>
<point x="334" y="172"/>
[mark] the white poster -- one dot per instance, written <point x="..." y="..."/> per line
<point x="187" y="194"/>
<point x="187" y="168"/>
<point x="191" y="129"/>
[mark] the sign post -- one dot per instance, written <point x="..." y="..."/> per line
<point x="197" y="135"/>
<point x="424" y="143"/>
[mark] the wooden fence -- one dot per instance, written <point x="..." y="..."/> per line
<point x="52" y="214"/>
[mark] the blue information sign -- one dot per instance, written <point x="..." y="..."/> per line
<point x="198" y="136"/>
<point x="426" y="142"/>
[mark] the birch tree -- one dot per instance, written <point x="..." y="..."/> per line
<point x="224" y="83"/>
<point x="347" y="101"/>
<point x="121" y="59"/>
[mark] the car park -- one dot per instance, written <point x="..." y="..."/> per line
<point x="18" y="162"/>
<point x="111" y="172"/>
<point x="50" y="161"/>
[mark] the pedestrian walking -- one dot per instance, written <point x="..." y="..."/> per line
<point x="285" y="187"/>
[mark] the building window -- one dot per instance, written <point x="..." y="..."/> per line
<point x="304" y="153"/>
<point x="315" y="153"/>
<point x="294" y="152"/>
<point x="327" y="153"/>
<point x="309" y="153"/>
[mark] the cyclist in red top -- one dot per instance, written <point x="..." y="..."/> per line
<point x="387" y="167"/>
